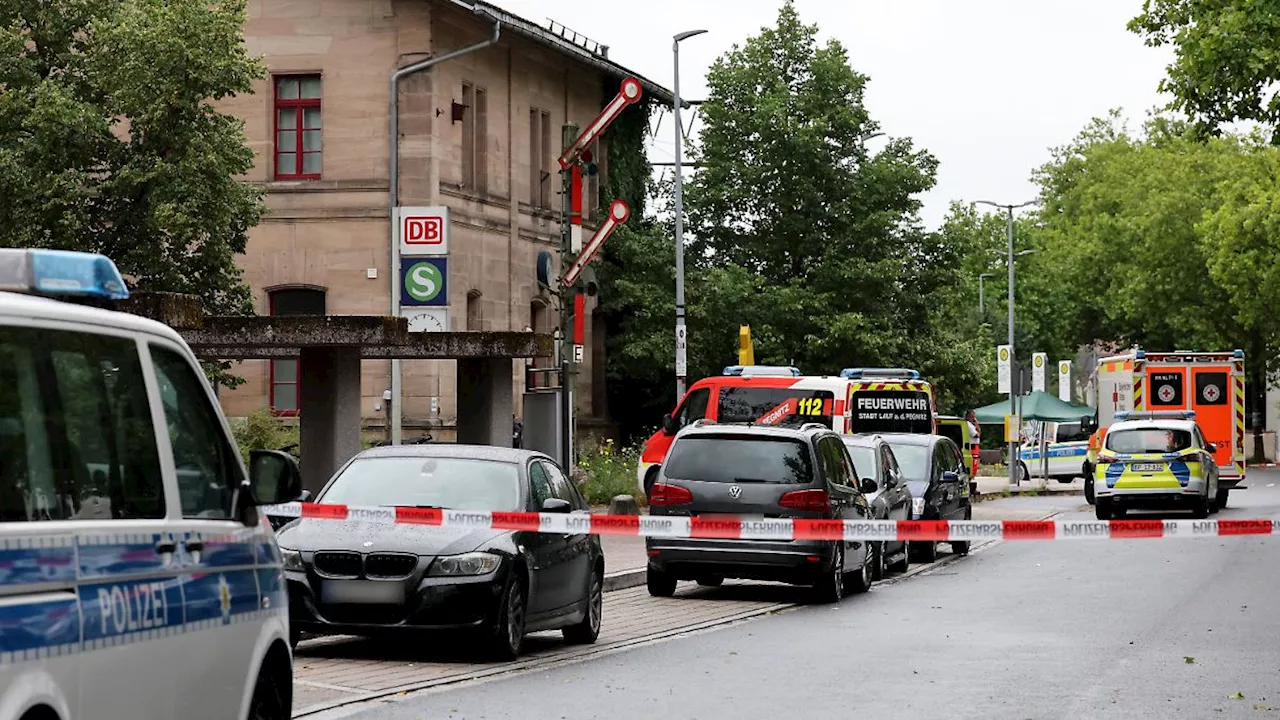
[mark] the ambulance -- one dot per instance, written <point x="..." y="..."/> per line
<point x="889" y="400"/>
<point x="860" y="400"/>
<point x="1211" y="384"/>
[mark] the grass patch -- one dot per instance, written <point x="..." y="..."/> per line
<point x="608" y="470"/>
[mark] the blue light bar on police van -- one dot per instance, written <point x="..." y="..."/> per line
<point x="859" y="373"/>
<point x="762" y="370"/>
<point x="61" y="273"/>
<point x="1155" y="415"/>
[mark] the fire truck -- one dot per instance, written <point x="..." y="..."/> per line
<point x="1211" y="384"/>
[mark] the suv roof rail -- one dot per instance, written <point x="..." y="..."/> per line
<point x="1155" y="415"/>
<point x="61" y="274"/>
<point x="762" y="371"/>
<point x="859" y="373"/>
<point x="813" y="426"/>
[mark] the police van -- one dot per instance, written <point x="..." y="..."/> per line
<point x="138" y="578"/>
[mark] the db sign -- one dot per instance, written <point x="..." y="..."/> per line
<point x="423" y="230"/>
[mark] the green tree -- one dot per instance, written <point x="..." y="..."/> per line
<point x="1227" y="57"/>
<point x="110" y="142"/>
<point x="804" y="233"/>
<point x="1161" y="240"/>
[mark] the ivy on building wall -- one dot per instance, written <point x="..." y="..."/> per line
<point x="636" y="276"/>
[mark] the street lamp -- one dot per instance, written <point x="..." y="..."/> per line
<point x="681" y="336"/>
<point x="982" y="308"/>
<point x="1013" y="357"/>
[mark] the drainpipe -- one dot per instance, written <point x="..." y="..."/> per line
<point x="394" y="196"/>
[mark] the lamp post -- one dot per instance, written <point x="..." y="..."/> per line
<point x="1013" y="356"/>
<point x="681" y="334"/>
<point x="982" y="307"/>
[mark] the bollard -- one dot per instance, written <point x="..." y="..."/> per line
<point x="624" y="505"/>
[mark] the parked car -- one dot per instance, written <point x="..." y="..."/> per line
<point x="939" y="481"/>
<point x="873" y="460"/>
<point x="354" y="578"/>
<point x="757" y="472"/>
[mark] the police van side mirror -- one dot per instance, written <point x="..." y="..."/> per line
<point x="273" y="477"/>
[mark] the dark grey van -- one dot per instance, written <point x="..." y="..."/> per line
<point x="756" y="472"/>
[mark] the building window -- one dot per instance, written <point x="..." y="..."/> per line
<point x="475" y="124"/>
<point x="475" y="316"/>
<point x="537" y="323"/>
<point x="285" y="374"/>
<point x="541" y="156"/>
<point x="297" y="123"/>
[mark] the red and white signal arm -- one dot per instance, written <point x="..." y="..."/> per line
<point x="423" y="230"/>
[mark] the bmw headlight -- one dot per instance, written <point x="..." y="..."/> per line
<point x="917" y="508"/>
<point x="292" y="559"/>
<point x="475" y="563"/>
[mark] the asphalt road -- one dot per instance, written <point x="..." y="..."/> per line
<point x="1021" y="630"/>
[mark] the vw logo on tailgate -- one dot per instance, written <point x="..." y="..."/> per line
<point x="735" y="492"/>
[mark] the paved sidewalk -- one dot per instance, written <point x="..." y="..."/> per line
<point x="329" y="672"/>
<point x="999" y="485"/>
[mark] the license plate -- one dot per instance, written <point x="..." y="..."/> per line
<point x="362" y="592"/>
<point x="1148" y="467"/>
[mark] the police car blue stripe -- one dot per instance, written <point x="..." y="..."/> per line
<point x="39" y="623"/>
<point x="123" y="608"/>
<point x="135" y="553"/>
<point x="37" y="565"/>
<point x="113" y="606"/>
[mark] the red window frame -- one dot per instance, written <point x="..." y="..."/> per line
<point x="300" y="105"/>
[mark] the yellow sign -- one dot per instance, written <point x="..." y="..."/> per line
<point x="746" y="351"/>
<point x="1011" y="428"/>
<point x="1039" y="361"/>
<point x="1004" y="353"/>
<point x="810" y="406"/>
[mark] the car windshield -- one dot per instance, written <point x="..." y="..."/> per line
<point x="1148" y="440"/>
<point x="453" y="483"/>
<point x="739" y="460"/>
<point x="864" y="460"/>
<point x="913" y="460"/>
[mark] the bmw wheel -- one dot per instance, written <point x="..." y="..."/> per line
<point x="508" y="634"/>
<point x="586" y="632"/>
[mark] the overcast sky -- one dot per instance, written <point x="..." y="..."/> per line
<point x="987" y="86"/>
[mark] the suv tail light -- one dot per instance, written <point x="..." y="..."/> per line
<point x="664" y="494"/>
<point x="807" y="500"/>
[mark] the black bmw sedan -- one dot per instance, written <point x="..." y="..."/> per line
<point x="353" y="577"/>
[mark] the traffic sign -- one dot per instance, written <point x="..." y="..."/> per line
<point x="619" y="211"/>
<point x="628" y="95"/>
<point x="424" y="281"/>
<point x="423" y="230"/>
<point x="1038" y="363"/>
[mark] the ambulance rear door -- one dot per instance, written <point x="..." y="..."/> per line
<point x="1213" y="399"/>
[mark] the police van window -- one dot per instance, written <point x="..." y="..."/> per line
<point x="76" y="437"/>
<point x="206" y="466"/>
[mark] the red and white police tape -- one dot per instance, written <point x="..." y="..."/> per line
<point x="729" y="528"/>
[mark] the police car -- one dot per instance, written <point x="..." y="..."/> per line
<point x="1154" y="460"/>
<point x="138" y="578"/>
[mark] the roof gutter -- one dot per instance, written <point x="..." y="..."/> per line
<point x="541" y="35"/>
<point x="394" y="194"/>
